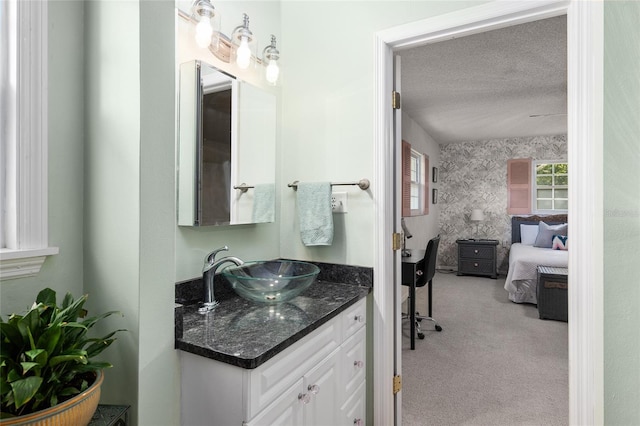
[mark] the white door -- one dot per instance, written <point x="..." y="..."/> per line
<point x="286" y="410"/>
<point x="397" y="261"/>
<point x="323" y="386"/>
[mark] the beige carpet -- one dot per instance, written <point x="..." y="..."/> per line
<point x="494" y="363"/>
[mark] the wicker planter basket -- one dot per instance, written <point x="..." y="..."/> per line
<point x="76" y="411"/>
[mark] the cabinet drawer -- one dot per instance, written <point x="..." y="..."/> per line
<point x="476" y="252"/>
<point x="353" y="363"/>
<point x="476" y="266"/>
<point x="354" y="318"/>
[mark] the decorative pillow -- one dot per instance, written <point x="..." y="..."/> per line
<point x="559" y="242"/>
<point x="546" y="233"/>
<point x="528" y="234"/>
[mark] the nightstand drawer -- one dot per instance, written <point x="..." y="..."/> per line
<point x="476" y="266"/>
<point x="477" y="252"/>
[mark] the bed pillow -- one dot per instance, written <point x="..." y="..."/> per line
<point x="546" y="233"/>
<point x="528" y="234"/>
<point x="559" y="242"/>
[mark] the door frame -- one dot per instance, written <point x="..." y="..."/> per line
<point x="585" y="34"/>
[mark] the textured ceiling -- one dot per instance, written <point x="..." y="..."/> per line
<point x="488" y="85"/>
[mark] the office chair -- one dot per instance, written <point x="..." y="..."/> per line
<point x="425" y="270"/>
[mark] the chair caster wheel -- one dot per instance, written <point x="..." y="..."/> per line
<point x="438" y="328"/>
<point x="421" y="336"/>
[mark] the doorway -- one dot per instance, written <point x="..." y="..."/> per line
<point x="585" y="34"/>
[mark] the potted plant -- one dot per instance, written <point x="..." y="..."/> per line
<point x="46" y="362"/>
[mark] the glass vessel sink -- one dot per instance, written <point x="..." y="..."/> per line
<point x="271" y="281"/>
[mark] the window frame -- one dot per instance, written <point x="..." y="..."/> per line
<point x="535" y="187"/>
<point x="25" y="244"/>
<point x="408" y="153"/>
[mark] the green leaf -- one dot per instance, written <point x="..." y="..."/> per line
<point x="67" y="301"/>
<point x="30" y="326"/>
<point x="46" y="297"/>
<point x="10" y="332"/>
<point x="25" y="389"/>
<point x="69" y="391"/>
<point x="4" y="386"/>
<point x="33" y="353"/>
<point x="82" y="359"/>
<point x="26" y="366"/>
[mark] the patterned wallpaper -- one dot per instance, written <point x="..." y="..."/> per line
<point x="474" y="175"/>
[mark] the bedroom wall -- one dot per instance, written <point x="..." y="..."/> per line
<point x="425" y="227"/>
<point x="473" y="174"/>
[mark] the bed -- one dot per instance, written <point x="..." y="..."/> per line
<point x="524" y="259"/>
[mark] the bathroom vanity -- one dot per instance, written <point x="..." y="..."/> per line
<point x="297" y="363"/>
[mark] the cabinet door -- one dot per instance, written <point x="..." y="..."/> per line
<point x="353" y="363"/>
<point x="323" y="386"/>
<point x="353" y="411"/>
<point x="286" y="410"/>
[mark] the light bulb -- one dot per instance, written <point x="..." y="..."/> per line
<point x="204" y="31"/>
<point x="272" y="72"/>
<point x="243" y="54"/>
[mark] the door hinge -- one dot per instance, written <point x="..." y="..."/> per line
<point x="397" y="241"/>
<point x="397" y="384"/>
<point x="395" y="100"/>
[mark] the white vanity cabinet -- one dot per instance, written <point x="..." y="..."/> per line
<point x="319" y="380"/>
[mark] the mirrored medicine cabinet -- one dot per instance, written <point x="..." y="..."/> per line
<point x="226" y="149"/>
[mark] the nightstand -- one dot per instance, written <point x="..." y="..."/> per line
<point x="477" y="257"/>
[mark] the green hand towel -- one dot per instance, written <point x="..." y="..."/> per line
<point x="314" y="213"/>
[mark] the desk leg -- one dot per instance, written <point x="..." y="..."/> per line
<point x="412" y="313"/>
<point x="430" y="298"/>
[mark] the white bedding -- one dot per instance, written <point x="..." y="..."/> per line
<point x="521" y="282"/>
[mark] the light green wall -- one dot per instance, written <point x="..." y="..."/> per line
<point x="328" y="112"/>
<point x="62" y="272"/>
<point x="112" y="185"/>
<point x="622" y="212"/>
<point x="158" y="368"/>
<point x="130" y="198"/>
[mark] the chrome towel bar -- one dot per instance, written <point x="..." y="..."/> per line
<point x="362" y="183"/>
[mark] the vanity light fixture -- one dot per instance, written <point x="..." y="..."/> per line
<point x="270" y="56"/>
<point x="203" y="12"/>
<point x="243" y="39"/>
<point x="240" y="47"/>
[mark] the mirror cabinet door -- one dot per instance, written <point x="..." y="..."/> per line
<point x="226" y="139"/>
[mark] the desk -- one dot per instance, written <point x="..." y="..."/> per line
<point x="410" y="267"/>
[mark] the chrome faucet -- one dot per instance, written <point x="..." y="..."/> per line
<point x="208" y="274"/>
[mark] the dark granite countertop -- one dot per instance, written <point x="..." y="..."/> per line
<point x="246" y="334"/>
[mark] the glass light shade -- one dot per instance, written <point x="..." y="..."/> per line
<point x="204" y="32"/>
<point x="243" y="54"/>
<point x="477" y="215"/>
<point x="272" y="72"/>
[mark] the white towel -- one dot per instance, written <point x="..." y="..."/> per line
<point x="314" y="213"/>
<point x="264" y="202"/>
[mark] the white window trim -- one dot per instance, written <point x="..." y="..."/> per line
<point x="534" y="188"/>
<point x="27" y="244"/>
<point x="419" y="184"/>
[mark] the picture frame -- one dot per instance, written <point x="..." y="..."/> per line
<point x="434" y="196"/>
<point x="434" y="174"/>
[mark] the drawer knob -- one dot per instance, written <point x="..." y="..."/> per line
<point x="475" y="251"/>
<point x="314" y="389"/>
<point x="475" y="264"/>
<point x="304" y="398"/>
<point x="358" y="364"/>
<point x="419" y="272"/>
<point x="358" y="318"/>
<point x="357" y="422"/>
